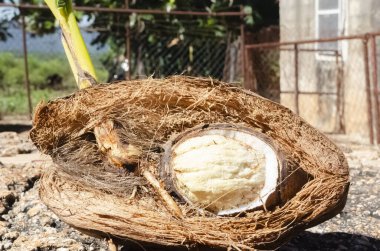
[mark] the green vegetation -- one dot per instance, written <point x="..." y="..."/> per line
<point x="160" y="44"/>
<point x="50" y="77"/>
<point x="151" y="34"/>
<point x="17" y="103"/>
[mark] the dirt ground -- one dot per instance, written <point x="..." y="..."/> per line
<point x="26" y="223"/>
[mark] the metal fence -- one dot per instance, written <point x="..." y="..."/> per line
<point x="331" y="83"/>
<point x="192" y="55"/>
<point x="135" y="55"/>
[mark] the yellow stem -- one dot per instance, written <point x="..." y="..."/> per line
<point x="71" y="61"/>
<point x="73" y="43"/>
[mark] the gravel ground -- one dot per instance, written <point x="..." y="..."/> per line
<point x="26" y="223"/>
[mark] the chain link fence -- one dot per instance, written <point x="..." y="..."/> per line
<point x="192" y="55"/>
<point x="133" y="55"/>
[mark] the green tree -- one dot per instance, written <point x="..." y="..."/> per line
<point x="179" y="32"/>
<point x="258" y="13"/>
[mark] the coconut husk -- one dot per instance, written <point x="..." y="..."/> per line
<point x="89" y="193"/>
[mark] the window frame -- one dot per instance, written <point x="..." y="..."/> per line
<point x="341" y="46"/>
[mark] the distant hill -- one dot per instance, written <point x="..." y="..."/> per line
<point x="46" y="44"/>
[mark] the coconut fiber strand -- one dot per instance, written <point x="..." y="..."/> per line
<point x="88" y="193"/>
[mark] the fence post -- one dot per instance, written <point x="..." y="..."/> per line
<point x="128" y="43"/>
<point x="296" y="87"/>
<point x="375" y="85"/>
<point x="368" y="89"/>
<point x="243" y="49"/>
<point x="340" y="95"/>
<point x="26" y="69"/>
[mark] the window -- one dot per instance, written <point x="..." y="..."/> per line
<point x="329" y="24"/>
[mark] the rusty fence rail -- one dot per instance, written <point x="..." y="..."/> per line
<point x="332" y="83"/>
<point x="130" y="10"/>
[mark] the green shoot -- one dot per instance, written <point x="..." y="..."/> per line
<point x="73" y="43"/>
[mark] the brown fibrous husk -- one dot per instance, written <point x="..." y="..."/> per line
<point x="87" y="192"/>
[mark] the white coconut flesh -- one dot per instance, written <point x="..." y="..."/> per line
<point x="225" y="171"/>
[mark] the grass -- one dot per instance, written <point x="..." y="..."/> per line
<point x="17" y="103"/>
<point x="13" y="98"/>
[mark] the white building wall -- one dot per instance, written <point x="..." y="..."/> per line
<point x="298" y="22"/>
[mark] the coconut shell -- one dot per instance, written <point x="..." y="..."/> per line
<point x="89" y="193"/>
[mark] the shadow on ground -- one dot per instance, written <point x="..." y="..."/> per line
<point x="305" y="241"/>
<point x="5" y="127"/>
<point x="331" y="241"/>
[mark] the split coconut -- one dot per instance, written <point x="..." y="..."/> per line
<point x="198" y="141"/>
<point x="182" y="161"/>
